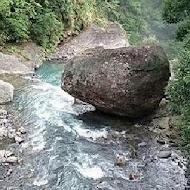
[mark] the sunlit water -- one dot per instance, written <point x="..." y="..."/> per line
<point x="64" y="150"/>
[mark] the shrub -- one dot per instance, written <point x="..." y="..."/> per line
<point x="46" y="30"/>
<point x="179" y="91"/>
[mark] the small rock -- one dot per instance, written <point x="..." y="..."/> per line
<point x="2" y="153"/>
<point x="22" y="130"/>
<point x="164" y="154"/>
<point x="6" y="92"/>
<point x="8" y="153"/>
<point x="161" y="141"/>
<point x="3" y="114"/>
<point x="121" y="161"/>
<point x="142" y="144"/>
<point x="19" y="139"/>
<point x="133" y="176"/>
<point x="18" y="133"/>
<point x="9" y="172"/>
<point x="12" y="159"/>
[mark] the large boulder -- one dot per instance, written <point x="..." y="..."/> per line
<point x="6" y="92"/>
<point x="125" y="81"/>
<point x="111" y="36"/>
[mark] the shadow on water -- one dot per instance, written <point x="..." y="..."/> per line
<point x="115" y="122"/>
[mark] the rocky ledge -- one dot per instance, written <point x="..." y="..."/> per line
<point x="111" y="36"/>
<point x="127" y="81"/>
<point x="25" y="59"/>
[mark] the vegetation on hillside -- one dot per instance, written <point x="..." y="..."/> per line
<point x="145" y="26"/>
<point x="49" y="21"/>
<point x="178" y="11"/>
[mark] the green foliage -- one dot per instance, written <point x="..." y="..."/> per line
<point x="43" y="20"/>
<point x="143" y="22"/>
<point x="179" y="91"/>
<point x="179" y="88"/>
<point x="176" y="10"/>
<point x="183" y="31"/>
<point x="185" y="123"/>
<point x="46" y="30"/>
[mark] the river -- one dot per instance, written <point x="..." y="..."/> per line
<point x="70" y="147"/>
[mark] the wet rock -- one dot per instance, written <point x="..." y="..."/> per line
<point x="6" y="92"/>
<point x="121" y="161"/>
<point x="8" y="153"/>
<point x="133" y="176"/>
<point x="12" y="159"/>
<point x="4" y="155"/>
<point x="162" y="122"/>
<point x="3" y="114"/>
<point x="164" y="154"/>
<point x="125" y="81"/>
<point x="161" y="140"/>
<point x="19" y="139"/>
<point x="22" y="130"/>
<point x="142" y="144"/>
<point x="18" y="133"/>
<point x="9" y="172"/>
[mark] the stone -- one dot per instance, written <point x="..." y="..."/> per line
<point x="121" y="161"/>
<point x="162" y="122"/>
<point x="12" y="159"/>
<point x="128" y="81"/>
<point x="6" y="92"/>
<point x="3" y="114"/>
<point x="133" y="176"/>
<point x="8" y="153"/>
<point x="2" y="153"/>
<point x="142" y="144"/>
<point x="161" y="140"/>
<point x="164" y="154"/>
<point x="22" y="130"/>
<point x="111" y="36"/>
<point x="9" y="172"/>
<point x="19" y="139"/>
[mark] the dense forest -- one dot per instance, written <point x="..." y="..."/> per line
<point x="48" y="22"/>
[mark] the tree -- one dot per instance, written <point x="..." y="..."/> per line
<point x="178" y="11"/>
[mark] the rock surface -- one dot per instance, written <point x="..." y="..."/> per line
<point x="6" y="92"/>
<point x="109" y="37"/>
<point x="120" y="161"/>
<point x="125" y="81"/>
<point x="28" y="57"/>
<point x="10" y="64"/>
<point x="164" y="154"/>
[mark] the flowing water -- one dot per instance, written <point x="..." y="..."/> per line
<point x="67" y="150"/>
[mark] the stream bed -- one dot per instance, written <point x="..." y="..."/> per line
<point x="71" y="147"/>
